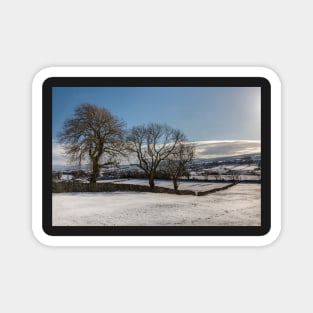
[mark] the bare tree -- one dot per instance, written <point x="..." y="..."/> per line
<point x="152" y="144"/>
<point x="92" y="133"/>
<point x="176" y="165"/>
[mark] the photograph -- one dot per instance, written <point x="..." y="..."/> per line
<point x="156" y="156"/>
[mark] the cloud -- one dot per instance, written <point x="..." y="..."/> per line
<point x="214" y="149"/>
<point x="57" y="154"/>
<point x="59" y="159"/>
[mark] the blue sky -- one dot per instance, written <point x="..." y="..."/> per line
<point x="202" y="113"/>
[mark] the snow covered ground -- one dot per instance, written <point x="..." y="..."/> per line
<point x="183" y="185"/>
<point x="239" y="205"/>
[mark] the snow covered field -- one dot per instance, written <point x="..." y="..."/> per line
<point x="184" y="185"/>
<point x="239" y="205"/>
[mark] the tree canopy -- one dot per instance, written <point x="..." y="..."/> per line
<point x="92" y="133"/>
<point x="176" y="165"/>
<point x="152" y="144"/>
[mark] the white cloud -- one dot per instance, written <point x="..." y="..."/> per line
<point x="215" y="149"/>
<point x="59" y="159"/>
<point x="57" y="154"/>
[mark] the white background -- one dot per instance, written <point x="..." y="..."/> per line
<point x="37" y="34"/>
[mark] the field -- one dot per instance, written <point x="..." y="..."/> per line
<point x="183" y="185"/>
<point x="236" y="206"/>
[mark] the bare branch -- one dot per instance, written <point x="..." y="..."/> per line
<point x="92" y="133"/>
<point x="153" y="143"/>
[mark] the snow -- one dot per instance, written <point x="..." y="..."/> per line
<point x="67" y="177"/>
<point x="239" y="205"/>
<point x="226" y="177"/>
<point x="183" y="185"/>
<point x="235" y="167"/>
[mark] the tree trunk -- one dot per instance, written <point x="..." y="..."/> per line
<point x="95" y="171"/>
<point x="151" y="181"/>
<point x="175" y="184"/>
